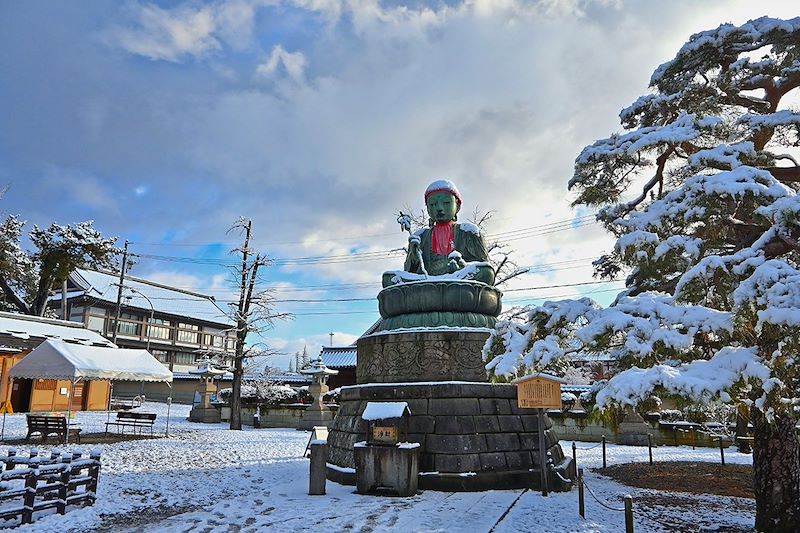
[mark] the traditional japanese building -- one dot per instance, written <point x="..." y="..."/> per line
<point x="179" y="327"/>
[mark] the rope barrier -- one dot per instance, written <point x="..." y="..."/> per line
<point x="562" y="478"/>
<point x="598" y="499"/>
<point x="590" y="447"/>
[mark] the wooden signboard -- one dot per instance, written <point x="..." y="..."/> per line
<point x="384" y="434"/>
<point x="538" y="392"/>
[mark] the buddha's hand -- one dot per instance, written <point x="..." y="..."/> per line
<point x="413" y="243"/>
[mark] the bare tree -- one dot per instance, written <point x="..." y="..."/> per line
<point x="252" y="313"/>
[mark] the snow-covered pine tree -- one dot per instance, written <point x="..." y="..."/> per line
<point x="711" y="242"/>
<point x="304" y="359"/>
<point x="26" y="278"/>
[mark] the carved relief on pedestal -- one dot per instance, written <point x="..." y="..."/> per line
<point x="423" y="356"/>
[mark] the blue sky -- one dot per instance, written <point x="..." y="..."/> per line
<point x="320" y="119"/>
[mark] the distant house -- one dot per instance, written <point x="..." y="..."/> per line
<point x="179" y="327"/>
<point x="185" y="326"/>
<point x="19" y="335"/>
<point x="343" y="359"/>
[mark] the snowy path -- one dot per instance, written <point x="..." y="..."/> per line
<point x="205" y="478"/>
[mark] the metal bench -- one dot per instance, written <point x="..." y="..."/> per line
<point x="133" y="420"/>
<point x="46" y="425"/>
<point x="127" y="402"/>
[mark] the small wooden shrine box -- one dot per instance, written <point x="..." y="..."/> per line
<point x="388" y="422"/>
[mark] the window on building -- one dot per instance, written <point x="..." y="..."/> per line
<point x="76" y="314"/>
<point x="129" y="325"/>
<point x="161" y="355"/>
<point x="159" y="329"/>
<point x="185" y="358"/>
<point x="188" y="333"/>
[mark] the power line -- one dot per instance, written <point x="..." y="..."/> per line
<point x="327" y="300"/>
<point x="373" y="312"/>
<point x="371" y="236"/>
<point x="532" y="269"/>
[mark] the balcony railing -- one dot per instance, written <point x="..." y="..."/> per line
<point x="167" y="334"/>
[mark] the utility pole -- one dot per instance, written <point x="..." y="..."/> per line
<point x="64" y="299"/>
<point x="119" y="292"/>
<point x="241" y="330"/>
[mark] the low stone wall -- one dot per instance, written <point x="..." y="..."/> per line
<point x="472" y="436"/>
<point x="575" y="425"/>
<point x="283" y="416"/>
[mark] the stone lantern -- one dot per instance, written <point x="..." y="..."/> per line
<point x="317" y="414"/>
<point x="204" y="411"/>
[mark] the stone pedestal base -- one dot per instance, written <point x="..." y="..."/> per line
<point x="206" y="415"/>
<point x="316" y="418"/>
<point x="386" y="467"/>
<point x="472" y="436"/>
<point x="435" y="355"/>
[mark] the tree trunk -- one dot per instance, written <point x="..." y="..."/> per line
<point x="236" y="389"/>
<point x="776" y="473"/>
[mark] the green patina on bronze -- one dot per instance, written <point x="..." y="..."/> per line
<point x="472" y="302"/>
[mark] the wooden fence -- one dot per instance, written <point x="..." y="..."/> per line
<point x="43" y="483"/>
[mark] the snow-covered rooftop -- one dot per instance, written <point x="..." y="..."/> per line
<point x="26" y="327"/>
<point x="339" y="357"/>
<point x="165" y="299"/>
<point x="56" y="359"/>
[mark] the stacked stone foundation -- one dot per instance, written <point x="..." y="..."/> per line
<point x="472" y="435"/>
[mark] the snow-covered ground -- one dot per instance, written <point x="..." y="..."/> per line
<point x="206" y="478"/>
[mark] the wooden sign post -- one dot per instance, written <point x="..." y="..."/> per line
<point x="540" y="392"/>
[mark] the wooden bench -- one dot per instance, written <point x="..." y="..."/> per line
<point x="127" y="402"/>
<point x="51" y="425"/>
<point x="133" y="420"/>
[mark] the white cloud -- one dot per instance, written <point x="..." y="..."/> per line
<point x="293" y="63"/>
<point x="186" y="30"/>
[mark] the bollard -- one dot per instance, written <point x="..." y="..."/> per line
<point x="721" y="451"/>
<point x="574" y="457"/>
<point x="694" y="437"/>
<point x="581" y="504"/>
<point x="650" y="446"/>
<point x="319" y="458"/>
<point x="628" y="513"/>
<point x="604" y="451"/>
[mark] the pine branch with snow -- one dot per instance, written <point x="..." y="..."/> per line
<point x="701" y="195"/>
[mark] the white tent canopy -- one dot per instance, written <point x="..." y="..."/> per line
<point x="55" y="359"/>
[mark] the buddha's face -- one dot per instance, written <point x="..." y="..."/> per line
<point x="442" y="207"/>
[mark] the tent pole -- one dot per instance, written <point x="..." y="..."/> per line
<point x="110" y="395"/>
<point x="69" y="408"/>
<point x="169" y="404"/>
<point x="3" y="431"/>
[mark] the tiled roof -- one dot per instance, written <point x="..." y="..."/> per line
<point x="25" y="327"/>
<point x="339" y="357"/>
<point x="177" y="302"/>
